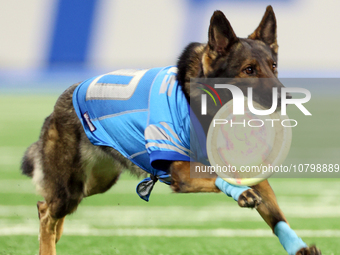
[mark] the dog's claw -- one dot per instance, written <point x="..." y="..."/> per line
<point x="309" y="251"/>
<point x="250" y="198"/>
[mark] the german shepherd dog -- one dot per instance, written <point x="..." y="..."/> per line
<point x="66" y="167"/>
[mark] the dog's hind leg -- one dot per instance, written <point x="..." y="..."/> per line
<point x="52" y="214"/>
<point x="59" y="228"/>
<point x="47" y="231"/>
<point x="50" y="228"/>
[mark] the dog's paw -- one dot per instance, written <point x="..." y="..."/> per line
<point x="249" y="198"/>
<point x="309" y="251"/>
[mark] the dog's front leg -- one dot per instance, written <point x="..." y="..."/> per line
<point x="208" y="182"/>
<point x="183" y="183"/>
<point x="274" y="217"/>
<point x="269" y="208"/>
<point x="260" y="196"/>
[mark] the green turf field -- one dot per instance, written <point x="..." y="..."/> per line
<point x="119" y="222"/>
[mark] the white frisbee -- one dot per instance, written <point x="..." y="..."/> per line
<point x="244" y="149"/>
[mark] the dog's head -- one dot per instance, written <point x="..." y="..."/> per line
<point x="228" y="56"/>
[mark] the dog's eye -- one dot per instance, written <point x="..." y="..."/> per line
<point x="249" y="70"/>
<point x="274" y="65"/>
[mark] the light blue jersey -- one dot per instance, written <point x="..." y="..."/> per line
<point x="143" y="114"/>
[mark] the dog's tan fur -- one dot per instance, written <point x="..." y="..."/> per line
<point x="66" y="167"/>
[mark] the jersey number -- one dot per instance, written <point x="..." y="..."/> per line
<point x="113" y="91"/>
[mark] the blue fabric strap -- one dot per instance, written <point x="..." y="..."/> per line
<point x="288" y="238"/>
<point x="229" y="189"/>
<point x="145" y="187"/>
<point x="164" y="178"/>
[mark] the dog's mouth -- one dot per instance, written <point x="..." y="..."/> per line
<point x="267" y="100"/>
<point x="279" y="101"/>
<point x="267" y="103"/>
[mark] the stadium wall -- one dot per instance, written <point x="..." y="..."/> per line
<point x="106" y="34"/>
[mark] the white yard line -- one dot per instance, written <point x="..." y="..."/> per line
<point x="156" y="216"/>
<point x="327" y="190"/>
<point x="11" y="155"/>
<point x="122" y="187"/>
<point x="88" y="231"/>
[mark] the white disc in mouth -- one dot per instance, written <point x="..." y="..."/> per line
<point x="247" y="143"/>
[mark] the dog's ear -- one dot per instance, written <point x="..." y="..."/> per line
<point x="266" y="31"/>
<point x="221" y="34"/>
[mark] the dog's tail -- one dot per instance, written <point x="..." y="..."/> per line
<point x="27" y="163"/>
<point x="32" y="157"/>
